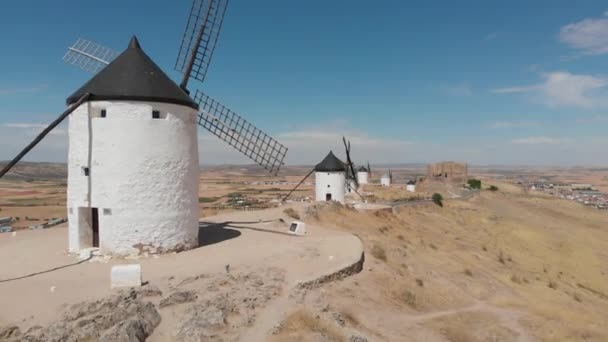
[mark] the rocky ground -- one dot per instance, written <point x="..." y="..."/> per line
<point x="216" y="307"/>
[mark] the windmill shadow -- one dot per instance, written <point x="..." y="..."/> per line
<point x="215" y="232"/>
<point x="210" y="233"/>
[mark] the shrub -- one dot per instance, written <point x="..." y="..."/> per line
<point x="379" y="253"/>
<point x="493" y="188"/>
<point x="474" y="183"/>
<point x="292" y="213"/>
<point x="468" y="272"/>
<point x="501" y="257"/>
<point x="516" y="279"/>
<point x="207" y="199"/>
<point x="409" y="298"/>
<point x="438" y="199"/>
<point x="552" y="284"/>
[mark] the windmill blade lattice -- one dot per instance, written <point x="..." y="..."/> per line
<point x="89" y="56"/>
<point x="200" y="38"/>
<point x="349" y="163"/>
<point x="240" y="133"/>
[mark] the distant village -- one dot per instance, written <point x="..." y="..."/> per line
<point x="585" y="194"/>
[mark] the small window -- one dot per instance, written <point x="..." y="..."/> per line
<point x="71" y="211"/>
<point x="328" y="185"/>
<point x="107" y="211"/>
<point x="85" y="171"/>
<point x="155" y="114"/>
<point x="103" y="113"/>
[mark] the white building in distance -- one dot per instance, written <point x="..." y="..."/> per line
<point x="330" y="179"/>
<point x="133" y="164"/>
<point x="411" y="186"/>
<point x="363" y="175"/>
<point x="385" y="180"/>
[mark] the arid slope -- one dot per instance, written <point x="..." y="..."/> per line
<point x="502" y="266"/>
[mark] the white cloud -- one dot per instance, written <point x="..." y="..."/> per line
<point x="512" y="124"/>
<point x="564" y="89"/>
<point x="539" y="141"/>
<point x="491" y="36"/>
<point x="310" y="145"/>
<point x="593" y="119"/>
<point x="588" y="35"/>
<point x="509" y="90"/>
<point x="15" y="90"/>
<point x="15" y="136"/>
<point x="36" y="128"/>
<point x="461" y="89"/>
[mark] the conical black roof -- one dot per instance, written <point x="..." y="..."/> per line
<point x="363" y="169"/>
<point x="330" y="164"/>
<point x="133" y="76"/>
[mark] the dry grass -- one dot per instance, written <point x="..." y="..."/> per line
<point x="350" y="316"/>
<point x="516" y="279"/>
<point x="291" y="212"/>
<point x="301" y="324"/>
<point x="379" y="253"/>
<point x="458" y="334"/>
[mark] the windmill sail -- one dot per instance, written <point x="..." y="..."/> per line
<point x="226" y="125"/>
<point x="196" y="50"/>
<point x="200" y="38"/>
<point x="240" y="133"/>
<point x="89" y="56"/>
<point x="349" y="163"/>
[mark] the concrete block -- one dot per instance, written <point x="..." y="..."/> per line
<point x="126" y="275"/>
<point x="297" y="228"/>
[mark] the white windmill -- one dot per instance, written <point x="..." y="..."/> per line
<point x="330" y="179"/>
<point x="363" y="174"/>
<point x="133" y="165"/>
<point x="386" y="178"/>
<point x="333" y="177"/>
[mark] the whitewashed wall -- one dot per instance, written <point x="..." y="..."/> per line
<point x="362" y="177"/>
<point x="330" y="182"/>
<point x="143" y="177"/>
<point x="385" y="181"/>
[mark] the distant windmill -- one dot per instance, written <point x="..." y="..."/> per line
<point x="133" y="168"/>
<point x="352" y="182"/>
<point x="333" y="177"/>
<point x="363" y="174"/>
<point x="387" y="178"/>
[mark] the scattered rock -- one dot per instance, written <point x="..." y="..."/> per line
<point x="205" y="322"/>
<point x="338" y="318"/>
<point x="178" y="297"/>
<point x="149" y="291"/>
<point x="356" y="338"/>
<point x="9" y="332"/>
<point x="121" y="317"/>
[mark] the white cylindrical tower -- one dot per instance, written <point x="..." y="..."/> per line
<point x="411" y="186"/>
<point x="363" y="175"/>
<point x="133" y="165"/>
<point x="385" y="180"/>
<point x="330" y="179"/>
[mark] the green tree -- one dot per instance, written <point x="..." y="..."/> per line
<point x="438" y="199"/>
<point x="474" y="183"/>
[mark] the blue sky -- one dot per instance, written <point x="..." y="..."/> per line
<point x="488" y="82"/>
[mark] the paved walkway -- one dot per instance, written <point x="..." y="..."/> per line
<point x="229" y="238"/>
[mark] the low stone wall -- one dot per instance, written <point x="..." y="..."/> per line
<point x="342" y="273"/>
